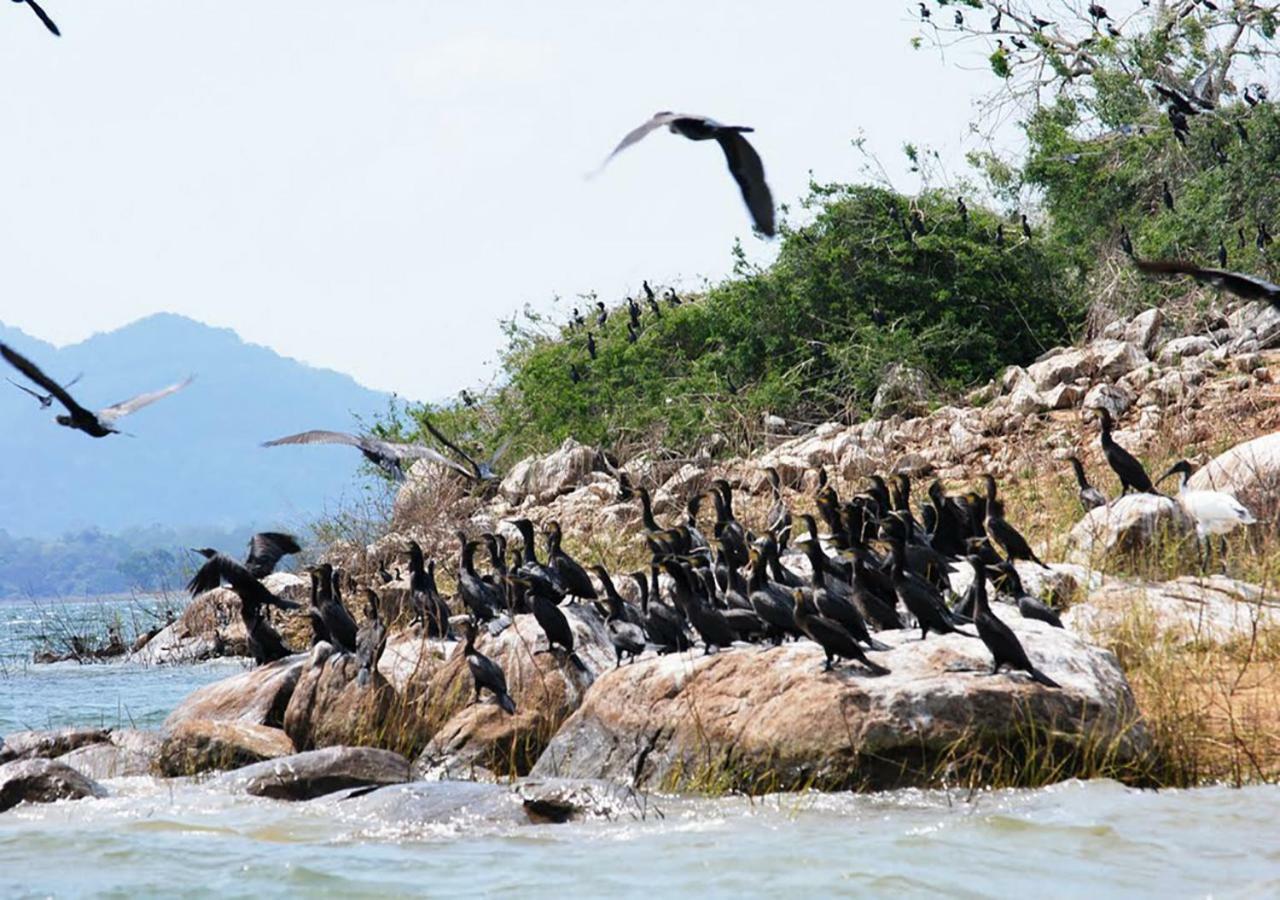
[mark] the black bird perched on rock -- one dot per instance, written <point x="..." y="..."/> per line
<point x="1167" y="195"/>
<point x="663" y="625"/>
<point x="708" y="622"/>
<point x="572" y="575"/>
<point x="42" y="16"/>
<point x="1130" y="472"/>
<point x="266" y="549"/>
<point x="1009" y="582"/>
<point x="429" y="607"/>
<point x="485" y="672"/>
<point x="546" y="577"/>
<point x="744" y="162"/>
<point x="777" y="520"/>
<point x="1090" y="496"/>
<point x="371" y="639"/>
<point x="387" y="456"/>
<point x="95" y="424"/>
<point x="919" y="597"/>
<point x="552" y="621"/>
<point x="627" y="637"/>
<point x="264" y="642"/>
<point x="337" y="621"/>
<point x="1015" y="546"/>
<point x="1005" y="648"/>
<point x="1250" y="287"/>
<point x="483" y="600"/>
<point x="835" y="642"/>
<point x="45" y="400"/>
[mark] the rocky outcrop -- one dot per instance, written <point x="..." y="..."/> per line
<point x="259" y="696"/>
<point x="761" y="720"/>
<point x="330" y="707"/>
<point x="43" y="781"/>
<point x="545" y="478"/>
<point x="49" y="744"/>
<point x="903" y="391"/>
<point x="104" y="761"/>
<point x="1249" y="471"/>
<point x="1111" y="537"/>
<point x="199" y="745"/>
<point x="305" y="776"/>
<point x="1214" y="610"/>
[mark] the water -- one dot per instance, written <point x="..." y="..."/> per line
<point x="152" y="838"/>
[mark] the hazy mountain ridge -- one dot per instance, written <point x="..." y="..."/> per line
<point x="195" y="459"/>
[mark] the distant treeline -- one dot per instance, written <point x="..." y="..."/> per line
<point x="89" y="562"/>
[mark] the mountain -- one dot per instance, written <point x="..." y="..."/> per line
<point x="195" y="459"/>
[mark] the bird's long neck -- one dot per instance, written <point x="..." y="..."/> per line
<point x="646" y="511"/>
<point x="1079" y="470"/>
<point x="980" y="591"/>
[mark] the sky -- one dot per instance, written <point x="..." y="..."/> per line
<point x="371" y="187"/>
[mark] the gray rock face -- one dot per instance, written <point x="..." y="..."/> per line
<point x="1214" y="610"/>
<point x="546" y="477"/>
<point x="558" y="800"/>
<point x="1143" y="329"/>
<point x="422" y="803"/>
<point x="49" y="744"/>
<point x="902" y="391"/>
<point x="1111" y="536"/>
<point x="1114" y="398"/>
<point x="258" y="696"/>
<point x="1249" y="471"/>
<point x="304" y="776"/>
<point x="1063" y="366"/>
<point x="750" y="717"/>
<point x="104" y="761"/>
<point x="1181" y="348"/>
<point x="43" y="781"/>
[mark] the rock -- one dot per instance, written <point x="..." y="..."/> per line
<point x="330" y="708"/>
<point x="1027" y="401"/>
<point x="1215" y="610"/>
<point x="1118" y="534"/>
<point x="104" y="761"/>
<point x="1144" y="329"/>
<point x="1257" y="326"/>
<point x="49" y="744"/>
<point x="1062" y="366"/>
<point x="1115" y="359"/>
<point x="1249" y="471"/>
<point x="1114" y="398"/>
<point x="258" y="696"/>
<point x="479" y="740"/>
<point x="676" y="490"/>
<point x="1064" y="396"/>
<point x="43" y="781"/>
<point x="771" y="720"/>
<point x="1010" y="378"/>
<point x="1181" y="348"/>
<point x="304" y="776"/>
<point x="558" y="800"/>
<point x="903" y="391"/>
<point x="544" y="478"/>
<point x="199" y="745"/>
<point x="411" y="660"/>
<point x="431" y="803"/>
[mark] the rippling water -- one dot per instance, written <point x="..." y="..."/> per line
<point x="153" y="838"/>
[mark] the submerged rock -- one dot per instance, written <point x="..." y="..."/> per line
<point x="49" y="744"/>
<point x="259" y="696"/>
<point x="304" y="776"/>
<point x="763" y="720"/>
<point x="199" y="745"/>
<point x="43" y="781"/>
<point x="104" y="761"/>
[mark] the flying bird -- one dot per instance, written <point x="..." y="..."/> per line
<point x="744" y="162"/>
<point x="483" y="471"/>
<point x="42" y="16"/>
<point x="95" y="424"/>
<point x="45" y="400"/>
<point x="1250" y="287"/>
<point x="387" y="456"/>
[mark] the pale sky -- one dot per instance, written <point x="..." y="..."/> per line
<point x="370" y="186"/>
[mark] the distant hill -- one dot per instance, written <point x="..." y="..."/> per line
<point x="195" y="460"/>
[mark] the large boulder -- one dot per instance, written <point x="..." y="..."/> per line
<point x="1249" y="471"/>
<point x="259" y="696"/>
<point x="43" y="781"/>
<point x="1214" y="610"/>
<point x="329" y="707"/>
<point x="103" y="761"/>
<point x="481" y="741"/>
<point x="1062" y="366"/>
<point x="49" y="744"/>
<point x="304" y="776"/>
<point x="1126" y="531"/>
<point x="544" y="477"/>
<point x="199" y="745"/>
<point x="772" y="720"/>
<point x="903" y="391"/>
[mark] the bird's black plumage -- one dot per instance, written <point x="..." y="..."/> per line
<point x="1130" y="472"/>
<point x="1250" y="287"/>
<point x="42" y="16"/>
<point x="266" y="549"/>
<point x="486" y="673"/>
<point x="1006" y="649"/>
<point x="1090" y="496"/>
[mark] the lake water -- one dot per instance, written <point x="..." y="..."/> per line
<point x="152" y="838"/>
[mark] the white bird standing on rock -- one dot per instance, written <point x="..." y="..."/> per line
<point x="1215" y="512"/>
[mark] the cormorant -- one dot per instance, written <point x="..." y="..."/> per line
<point x="1126" y="244"/>
<point x="648" y="291"/>
<point x="1250" y="287"/>
<point x="591" y="345"/>
<point x="924" y="12"/>
<point x="485" y="672"/>
<point x="1018" y="42"/>
<point x="662" y="624"/>
<point x="1130" y="472"/>
<point x="1000" y="235"/>
<point x="574" y="375"/>
<point x="264" y="642"/>
<point x="483" y="471"/>
<point x="632" y="336"/>
<point x="266" y="549"/>
<point x="337" y="621"/>
<point x="547" y="579"/>
<point x="744" y="162"/>
<point x="1167" y="195"/>
<point x="626" y="636"/>
<point x="1000" y="640"/>
<point x="672" y="297"/>
<point x="1097" y="12"/>
<point x="1026" y="227"/>
<point x="835" y="642"/>
<point x="1222" y="254"/>
<point x="727" y="527"/>
<point x="45" y="400"/>
<point x="1040" y="23"/>
<point x="95" y="424"/>
<point x="1007" y="580"/>
<point x="42" y="16"/>
<point x="387" y="456"/>
<point x="963" y="210"/>
<point x="573" y="577"/>
<point x="553" y="622"/>
<point x="832" y="598"/>
<point x="959" y="19"/>
<point x="371" y="639"/>
<point x="602" y="314"/>
<point x="625" y="493"/>
<point x="771" y="602"/>
<point x="778" y="520"/>
<point x="997" y="19"/>
<point x="919" y="597"/>
<point x="483" y="600"/>
<point x="1015" y="546"/>
<point x="430" y="608"/>
<point x="1090" y="496"/>
<point x="708" y="622"/>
